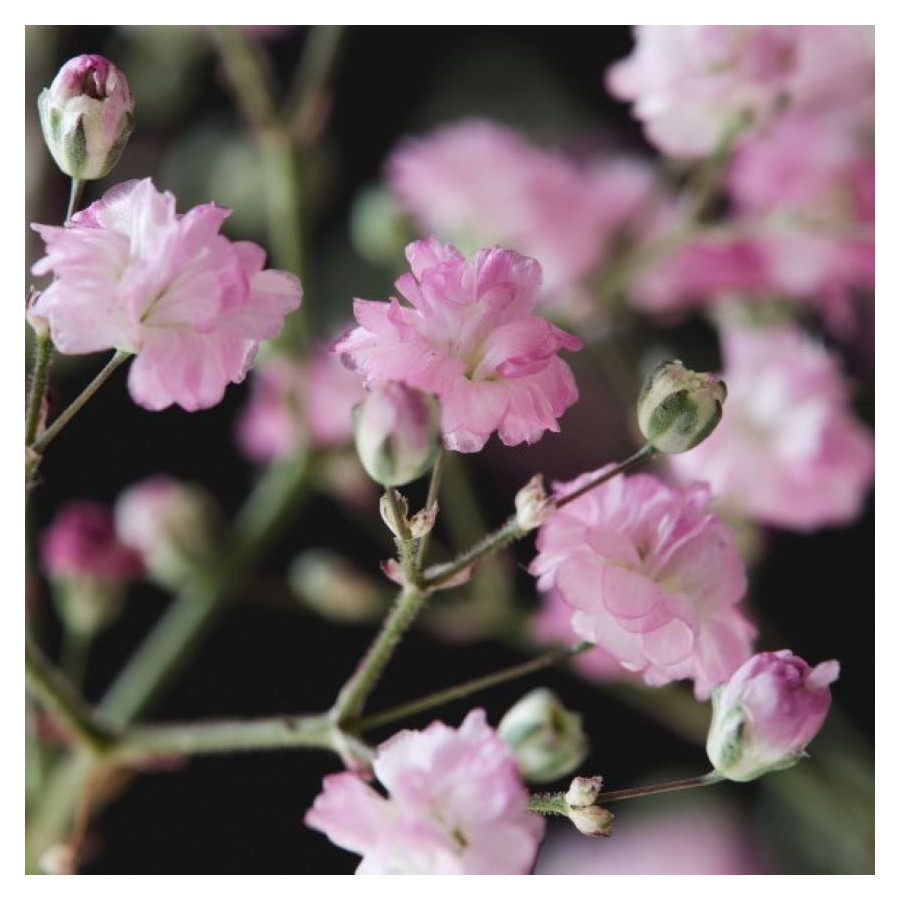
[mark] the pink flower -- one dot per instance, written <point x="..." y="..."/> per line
<point x="652" y="577"/>
<point x="81" y="542"/>
<point x="691" y="83"/>
<point x="456" y="805"/>
<point x="477" y="183"/>
<point x="133" y="275"/>
<point x="767" y="713"/>
<point x="788" y="451"/>
<point x="471" y="340"/>
<point x="293" y="403"/>
<point x="87" y="116"/>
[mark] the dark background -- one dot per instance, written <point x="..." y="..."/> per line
<point x="243" y="814"/>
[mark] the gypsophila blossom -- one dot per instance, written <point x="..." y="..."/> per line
<point x="133" y="275"/>
<point x="295" y="403"/>
<point x="477" y="183"/>
<point x="456" y="805"/>
<point x="788" y="451"/>
<point x="767" y="713"/>
<point x="470" y="339"/>
<point x="81" y="541"/>
<point x="651" y="576"/>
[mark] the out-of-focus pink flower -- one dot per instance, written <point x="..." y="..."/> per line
<point x="767" y="713"/>
<point x="651" y="576"/>
<point x="470" y="338"/>
<point x="87" y="116"/>
<point x="81" y="541"/>
<point x="788" y="451"/>
<point x="477" y="183"/>
<point x="193" y="306"/>
<point x="293" y="403"/>
<point x="456" y="805"/>
<point x="813" y="175"/>
<point x="170" y="524"/>
<point x="691" y="83"/>
<point x="692" y="839"/>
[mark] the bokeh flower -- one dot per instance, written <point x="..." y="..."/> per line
<point x="456" y="805"/>
<point x="788" y="451"/>
<point x="651" y="576"/>
<point x="193" y="306"/>
<point x="469" y="338"/>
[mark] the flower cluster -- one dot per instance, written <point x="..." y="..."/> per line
<point x="456" y="805"/>
<point x="133" y="275"/>
<point x="471" y="340"/>
<point x="651" y="576"/>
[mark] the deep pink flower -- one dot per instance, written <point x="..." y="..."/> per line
<point x="133" y="275"/>
<point x="767" y="713"/>
<point x="293" y="404"/>
<point x="469" y="338"/>
<point x="477" y="183"/>
<point x="788" y="451"/>
<point x="456" y="805"/>
<point x="651" y="576"/>
<point x="81" y="542"/>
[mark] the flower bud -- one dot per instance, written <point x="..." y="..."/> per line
<point x="396" y="430"/>
<point x="678" y="408"/>
<point x="583" y="791"/>
<point x="333" y="587"/>
<point x="594" y="821"/>
<point x="87" y="116"/>
<point x="533" y="506"/>
<point x="171" y="524"/>
<point x="767" y="713"/>
<point x="88" y="566"/>
<point x="545" y="737"/>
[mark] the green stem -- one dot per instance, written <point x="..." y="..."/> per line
<point x="353" y="695"/>
<point x="75" y="195"/>
<point x="69" y="412"/>
<point x="634" y="460"/>
<point x="434" y="490"/>
<point x="466" y="688"/>
<point x="75" y="651"/>
<point x="437" y="576"/>
<point x="54" y="691"/>
<point x="277" y="732"/>
<point x="43" y="353"/>
<point x="314" y="72"/>
<point x="555" y="804"/>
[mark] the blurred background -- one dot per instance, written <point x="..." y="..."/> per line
<point x="281" y="647"/>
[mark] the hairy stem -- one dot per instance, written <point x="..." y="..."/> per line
<point x="40" y="373"/>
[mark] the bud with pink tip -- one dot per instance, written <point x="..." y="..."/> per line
<point x="396" y="430"/>
<point x="767" y="713"/>
<point x="87" y="116"/>
<point x="88" y="566"/>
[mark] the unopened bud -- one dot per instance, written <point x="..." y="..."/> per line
<point x="333" y="587"/>
<point x="678" y="408"/>
<point x="397" y="430"/>
<point x="172" y="525"/>
<point x="87" y="116"/>
<point x="767" y="713"/>
<point x="423" y="521"/>
<point x="546" y="738"/>
<point x="594" y="821"/>
<point x="583" y="791"/>
<point x="533" y="506"/>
